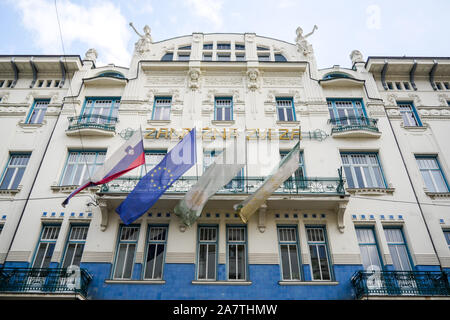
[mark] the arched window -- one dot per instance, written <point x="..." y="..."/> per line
<point x="335" y="75"/>
<point x="280" y="57"/>
<point x="111" y="74"/>
<point x="167" y="57"/>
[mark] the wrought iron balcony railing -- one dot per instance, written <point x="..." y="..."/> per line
<point x="239" y="185"/>
<point x="353" y="123"/>
<point x="44" y="280"/>
<point x="92" y="122"/>
<point x="400" y="283"/>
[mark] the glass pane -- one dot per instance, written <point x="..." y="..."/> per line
<point x="7" y="178"/>
<point x="395" y="258"/>
<point x="374" y="257"/>
<point x="232" y="272"/>
<point x="290" y="115"/>
<point x="314" y="262"/>
<point x="281" y="114"/>
<point x="202" y="261"/>
<point x="438" y="179"/>
<point x="150" y="261"/>
<point x="129" y="261"/>
<point x="403" y="257"/>
<point x="159" y="261"/>
<point x="349" y="177"/>
<point x="241" y="262"/>
<point x="368" y="177"/>
<point x="69" y="255"/>
<point x="211" y="261"/>
<point x="285" y="262"/>
<point x="48" y="255"/>
<point x="324" y="262"/>
<point x="359" y="177"/>
<point x="120" y="261"/>
<point x="294" y="262"/>
<point x="40" y="255"/>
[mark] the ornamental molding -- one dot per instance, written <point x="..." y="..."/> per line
<point x="282" y="81"/>
<point x="223" y="81"/>
<point x="443" y="98"/>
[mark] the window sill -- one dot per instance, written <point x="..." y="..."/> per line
<point x="135" y="281"/>
<point x="69" y="189"/>
<point x="225" y="283"/>
<point x="10" y="192"/>
<point x="22" y="124"/>
<point x="370" y="191"/>
<point x="421" y="128"/>
<point x="434" y="195"/>
<point x="158" y="122"/>
<point x="222" y="122"/>
<point x="308" y="283"/>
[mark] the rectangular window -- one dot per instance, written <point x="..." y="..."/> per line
<point x="37" y="112"/>
<point x="236" y="253"/>
<point x="46" y="246"/>
<point x="13" y="173"/>
<point x="156" y="249"/>
<point x="161" y="108"/>
<point x="240" y="57"/>
<point x="447" y="85"/>
<point x="207" y="46"/>
<point x="223" y="109"/>
<point x="369" y="249"/>
<point x="390" y="86"/>
<point x="285" y="109"/>
<point x="75" y="245"/>
<point x="100" y="111"/>
<point x="1" y="228"/>
<point x="319" y="253"/>
<point x="263" y="57"/>
<point x="432" y="174"/>
<point x="80" y="166"/>
<point x="223" y="46"/>
<point x="398" y="249"/>
<point x="207" y="57"/>
<point x="362" y="170"/>
<point x="239" y="46"/>
<point x="183" y="57"/>
<point x="288" y="244"/>
<point x="207" y="252"/>
<point x="2" y="82"/>
<point x="223" y="57"/>
<point x="346" y="112"/>
<point x="398" y="86"/>
<point x="406" y="85"/>
<point x="56" y="84"/>
<point x="126" y="248"/>
<point x="447" y="237"/>
<point x="409" y="114"/>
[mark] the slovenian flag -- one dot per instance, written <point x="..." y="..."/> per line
<point x="151" y="187"/>
<point x="129" y="156"/>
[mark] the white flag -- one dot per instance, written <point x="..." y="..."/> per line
<point x="285" y="169"/>
<point x="226" y="166"/>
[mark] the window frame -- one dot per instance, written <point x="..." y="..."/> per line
<point x="298" y="251"/>
<point x="40" y="241"/>
<point x="372" y="228"/>
<point x="41" y="111"/>
<point x="446" y="233"/>
<point x="148" y="242"/>
<point x="334" y="114"/>
<point x="291" y="100"/>
<point x="128" y="242"/>
<point x="416" y="117"/>
<point x="161" y="107"/>
<point x="230" y="107"/>
<point x="79" y="152"/>
<point x="327" y="251"/>
<point x="85" y="117"/>
<point x="289" y="184"/>
<point x="435" y="157"/>
<point x="404" y="243"/>
<point x="228" y="243"/>
<point x="77" y="242"/>
<point x="5" y="169"/>
<point x="216" y="243"/>
<point x="385" y="185"/>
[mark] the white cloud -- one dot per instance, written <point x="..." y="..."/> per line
<point x="100" y="25"/>
<point x="208" y="9"/>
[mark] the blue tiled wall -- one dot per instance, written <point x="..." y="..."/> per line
<point x="179" y="285"/>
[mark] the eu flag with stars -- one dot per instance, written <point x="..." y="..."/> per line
<point x="150" y="188"/>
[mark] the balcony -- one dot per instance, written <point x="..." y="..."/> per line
<point x="239" y="185"/>
<point x="354" y="127"/>
<point x="90" y="125"/>
<point x="401" y="284"/>
<point x="52" y="283"/>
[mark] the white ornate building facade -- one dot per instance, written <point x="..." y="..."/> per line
<point x="366" y="213"/>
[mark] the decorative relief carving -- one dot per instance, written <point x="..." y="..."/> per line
<point x="253" y="79"/>
<point x="303" y="45"/>
<point x="282" y="81"/>
<point x="223" y="81"/>
<point x="416" y="98"/>
<point x="443" y="98"/>
<point x="194" y="75"/>
<point x="392" y="99"/>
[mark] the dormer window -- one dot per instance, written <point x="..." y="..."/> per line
<point x="112" y="74"/>
<point x="167" y="57"/>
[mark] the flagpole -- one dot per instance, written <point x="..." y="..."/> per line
<point x="246" y="162"/>
<point x="196" y="162"/>
<point x="145" y="161"/>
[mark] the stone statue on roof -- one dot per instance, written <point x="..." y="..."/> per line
<point x="302" y="44"/>
<point x="145" y="41"/>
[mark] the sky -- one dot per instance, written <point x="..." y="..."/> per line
<point x="374" y="27"/>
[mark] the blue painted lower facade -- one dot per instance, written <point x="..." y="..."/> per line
<point x="178" y="284"/>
